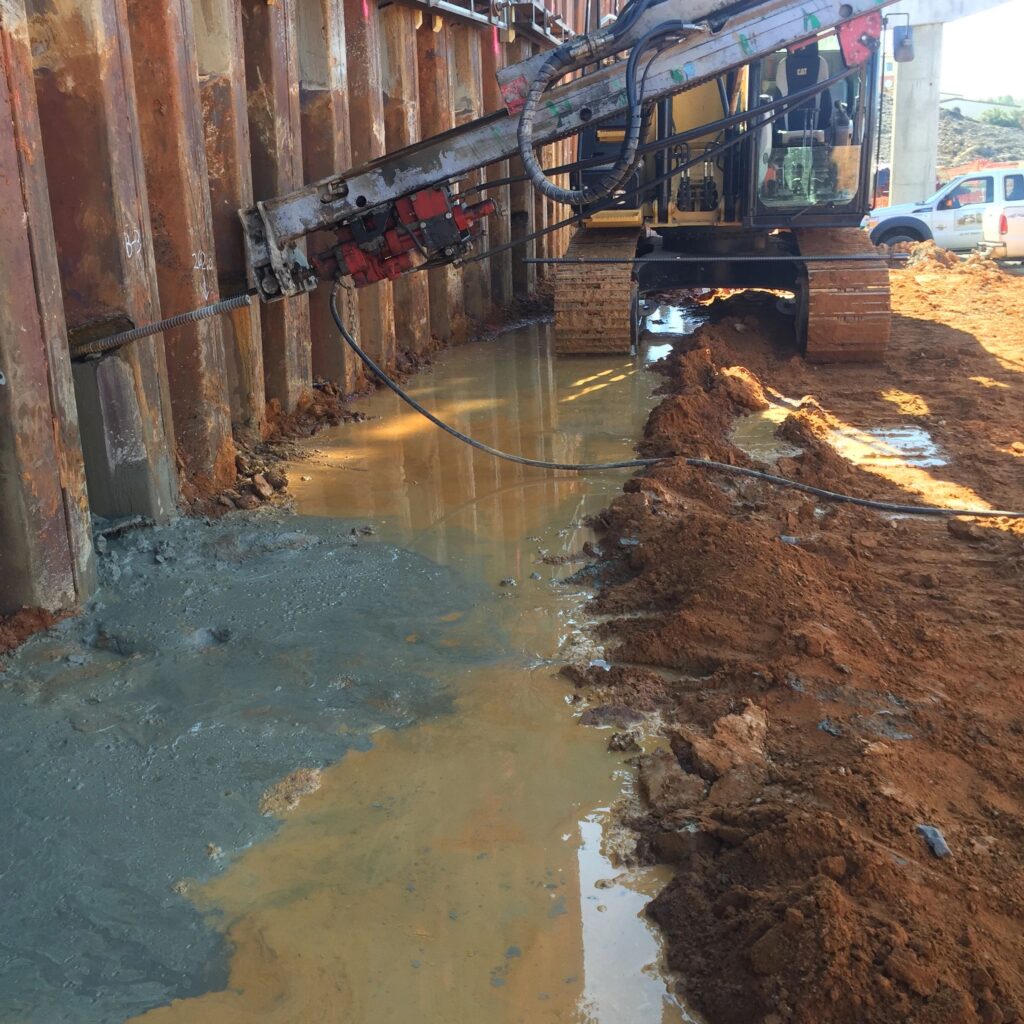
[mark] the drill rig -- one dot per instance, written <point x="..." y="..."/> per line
<point x="720" y="144"/>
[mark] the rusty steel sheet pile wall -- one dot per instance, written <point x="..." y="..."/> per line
<point x="85" y="89"/>
<point x="447" y="304"/>
<point x="275" y="134"/>
<point x="221" y="62"/>
<point x="326" y="146"/>
<point x="401" y="93"/>
<point x="140" y="128"/>
<point x="171" y="126"/>
<point x="46" y="557"/>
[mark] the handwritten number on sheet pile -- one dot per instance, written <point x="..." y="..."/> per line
<point x="203" y="262"/>
<point x="133" y="243"/>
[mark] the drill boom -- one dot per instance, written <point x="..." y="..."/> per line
<point x="275" y="229"/>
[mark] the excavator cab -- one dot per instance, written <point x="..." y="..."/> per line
<point x="813" y="161"/>
<point x="810" y="160"/>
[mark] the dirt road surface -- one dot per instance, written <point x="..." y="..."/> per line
<point x="832" y="679"/>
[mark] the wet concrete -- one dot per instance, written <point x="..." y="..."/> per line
<point x="463" y="869"/>
<point x="215" y="660"/>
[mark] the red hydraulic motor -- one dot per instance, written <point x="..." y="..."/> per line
<point x="384" y="244"/>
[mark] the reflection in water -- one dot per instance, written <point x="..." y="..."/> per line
<point x="905" y="446"/>
<point x="904" y="455"/>
<point x="676" y="320"/>
<point x="615" y="909"/>
<point x="448" y="874"/>
<point x="901" y="454"/>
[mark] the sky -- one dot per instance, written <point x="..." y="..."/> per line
<point x="982" y="54"/>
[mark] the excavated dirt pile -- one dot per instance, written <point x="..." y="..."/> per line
<point x="841" y="690"/>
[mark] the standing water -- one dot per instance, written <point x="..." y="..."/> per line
<point x="461" y="869"/>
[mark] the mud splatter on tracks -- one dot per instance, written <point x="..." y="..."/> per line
<point x="883" y="655"/>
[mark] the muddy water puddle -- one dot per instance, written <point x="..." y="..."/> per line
<point x="463" y="868"/>
<point x="905" y="445"/>
<point x="878" y="449"/>
<point x="757" y="434"/>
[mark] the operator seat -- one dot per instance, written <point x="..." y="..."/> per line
<point x="802" y="69"/>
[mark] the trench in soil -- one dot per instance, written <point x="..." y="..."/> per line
<point x="463" y="868"/>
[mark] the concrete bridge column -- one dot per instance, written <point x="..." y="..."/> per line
<point x="915" y="124"/>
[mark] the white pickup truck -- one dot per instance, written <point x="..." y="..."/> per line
<point x="1003" y="231"/>
<point x="954" y="216"/>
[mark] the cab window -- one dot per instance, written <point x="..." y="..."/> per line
<point x="812" y="154"/>
<point x="970" y="192"/>
<point x="1013" y="188"/>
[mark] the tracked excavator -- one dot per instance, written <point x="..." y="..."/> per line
<point x="720" y="145"/>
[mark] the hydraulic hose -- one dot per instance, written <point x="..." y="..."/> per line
<point x="706" y="464"/>
<point x="563" y="60"/>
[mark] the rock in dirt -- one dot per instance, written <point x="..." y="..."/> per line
<point x="276" y="479"/>
<point x="903" y="966"/>
<point x="665" y="786"/>
<point x="624" y="742"/>
<point x="737" y="787"/>
<point x="681" y="845"/>
<point x="936" y="840"/>
<point x="743" y="388"/>
<point x="963" y="529"/>
<point x="262" y="487"/>
<point x="610" y="714"/>
<point x="735" y="740"/>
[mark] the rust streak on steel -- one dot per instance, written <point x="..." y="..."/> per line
<point x="170" y="121"/>
<point x="323" y="70"/>
<point x="87" y="111"/>
<point x="447" y="314"/>
<point x="46" y="557"/>
<point x="272" y="78"/>
<point x="492" y="57"/>
<point x="402" y="128"/>
<point x="467" y="98"/>
<point x="223" y="96"/>
<point x="366" y="118"/>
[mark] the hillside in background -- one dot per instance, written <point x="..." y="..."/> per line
<point x="962" y="140"/>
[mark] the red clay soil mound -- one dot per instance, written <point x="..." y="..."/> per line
<point x="927" y="256"/>
<point x="830" y="679"/>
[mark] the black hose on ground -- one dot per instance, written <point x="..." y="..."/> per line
<point x="707" y="464"/>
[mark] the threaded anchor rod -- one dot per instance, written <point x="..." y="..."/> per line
<point x="115" y="341"/>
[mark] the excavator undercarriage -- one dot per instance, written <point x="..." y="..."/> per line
<point x="842" y="307"/>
